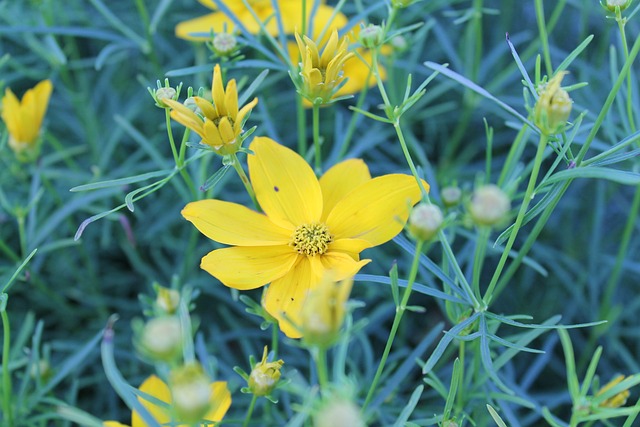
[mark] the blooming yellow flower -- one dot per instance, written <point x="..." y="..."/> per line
<point x="309" y="226"/>
<point x="221" y="126"/>
<point x="321" y="74"/>
<point x="24" y="118"/>
<point x="158" y="389"/>
<point x="290" y="13"/>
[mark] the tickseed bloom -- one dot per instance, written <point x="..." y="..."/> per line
<point x="321" y="74"/>
<point x="219" y="400"/>
<point x="198" y="29"/>
<point x="309" y="226"/>
<point x="24" y="119"/>
<point x="265" y="375"/>
<point x="553" y="107"/>
<point x="221" y="126"/>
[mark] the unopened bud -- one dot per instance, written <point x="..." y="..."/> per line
<point x="191" y="392"/>
<point x="451" y="196"/>
<point x="190" y="103"/>
<point x="611" y="5"/>
<point x="224" y="44"/>
<point x="424" y="221"/>
<point x="167" y="300"/>
<point x="338" y="413"/>
<point x="489" y="205"/>
<point x="553" y="107"/>
<point x="165" y="93"/>
<point x="162" y="338"/>
<point x="616" y="400"/>
<point x="265" y="376"/>
<point x="371" y="36"/>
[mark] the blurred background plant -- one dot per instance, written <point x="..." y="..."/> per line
<point x="538" y="224"/>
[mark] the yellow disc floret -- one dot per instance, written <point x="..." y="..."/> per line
<point x="311" y="239"/>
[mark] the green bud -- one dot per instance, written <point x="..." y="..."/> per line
<point x="553" y="107"/>
<point x="371" y="36"/>
<point x="489" y="205"/>
<point x="162" y="338"/>
<point x="451" y="196"/>
<point x="265" y="375"/>
<point x="424" y="221"/>
<point x="191" y="392"/>
<point x="224" y="44"/>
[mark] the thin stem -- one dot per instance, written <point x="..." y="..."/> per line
<point x="274" y="340"/>
<point x="252" y="405"/>
<point x="407" y="156"/>
<point x="478" y="261"/>
<point x="528" y="195"/>
<point x="544" y="39"/>
<point x="396" y="322"/>
<point x="179" y="158"/>
<point x="316" y="137"/>
<point x="321" y="366"/>
<point x="354" y="117"/>
<point x="302" y="126"/>
<point x="621" y="24"/>
<point x="6" y="377"/>
<point x="245" y="180"/>
<point x="21" y="232"/>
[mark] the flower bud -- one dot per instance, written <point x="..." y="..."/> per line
<point x="616" y="400"/>
<point x="424" y="221"/>
<point x="371" y="36"/>
<point x="41" y="370"/>
<point x="451" y="196"/>
<point x="324" y="311"/>
<point x="167" y="300"/>
<point x="553" y="107"/>
<point x="162" y="338"/>
<point x="338" y="413"/>
<point x="489" y="205"/>
<point x="611" y="5"/>
<point x="224" y="44"/>
<point x="191" y="392"/>
<point x="165" y="93"/>
<point x="264" y="376"/>
<point x="399" y="43"/>
<point x="190" y="103"/>
<point x="399" y="4"/>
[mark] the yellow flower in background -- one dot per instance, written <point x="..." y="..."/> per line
<point x="290" y="12"/>
<point x="309" y="226"/>
<point x="616" y="400"/>
<point x="221" y="126"/>
<point x="220" y="398"/>
<point x="321" y="74"/>
<point x="24" y="118"/>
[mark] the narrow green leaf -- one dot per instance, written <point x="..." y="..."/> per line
<point x="615" y="175"/>
<point x="120" y="181"/>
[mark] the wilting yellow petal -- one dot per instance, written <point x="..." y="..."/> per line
<point x="153" y="386"/>
<point x="340" y="180"/>
<point x="220" y="401"/>
<point x="234" y="224"/>
<point x="37" y="101"/>
<point x="11" y="114"/>
<point x="377" y="210"/>
<point x="286" y="187"/>
<point x="285" y="296"/>
<point x="249" y="267"/>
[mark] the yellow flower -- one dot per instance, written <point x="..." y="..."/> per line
<point x="324" y="311"/>
<point x="616" y="400"/>
<point x="321" y="74"/>
<point x="158" y="389"/>
<point x="222" y="123"/>
<point x="553" y="107"/>
<point x="309" y="226"/>
<point x="198" y="29"/>
<point x="24" y="118"/>
<point x="265" y="375"/>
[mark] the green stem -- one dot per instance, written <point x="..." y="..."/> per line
<point x="354" y="117"/>
<point x="274" y="340"/>
<point x="21" y="232"/>
<point x="179" y="158"/>
<point x="6" y="377"/>
<point x="250" y="411"/>
<point x="459" y="405"/>
<point x="621" y="24"/>
<point x="302" y="126"/>
<point x="478" y="261"/>
<point x="544" y="39"/>
<point x="304" y="17"/>
<point x="245" y="180"/>
<point x="316" y="138"/>
<point x="528" y="195"/>
<point x="396" y="322"/>
<point x="321" y="366"/>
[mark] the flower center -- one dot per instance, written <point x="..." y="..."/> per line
<point x="311" y="239"/>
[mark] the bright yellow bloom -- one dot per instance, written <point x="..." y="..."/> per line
<point x="290" y="13"/>
<point x="308" y="226"/>
<point x="221" y="126"/>
<point x="24" y="118"/>
<point x="321" y="74"/>
<point x="155" y="387"/>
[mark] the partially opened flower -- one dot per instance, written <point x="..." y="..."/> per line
<point x="309" y="226"/>
<point x="221" y="126"/>
<point x="24" y="118"/>
<point x="219" y="398"/>
<point x="198" y="29"/>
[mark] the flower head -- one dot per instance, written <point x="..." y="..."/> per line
<point x="553" y="107"/>
<point x="309" y="226"/>
<point x="218" y="394"/>
<point x="265" y="375"/>
<point x="321" y="75"/>
<point x="221" y="126"/>
<point x="23" y="118"/>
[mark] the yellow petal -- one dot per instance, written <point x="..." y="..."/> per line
<point x="204" y="25"/>
<point x="113" y="424"/>
<point x="212" y="135"/>
<point x="37" y="99"/>
<point x="285" y="297"/>
<point x="243" y="112"/>
<point x="231" y="99"/>
<point x="322" y="22"/>
<point x="358" y="74"/>
<point x="249" y="267"/>
<point x="329" y="51"/>
<point x="206" y="107"/>
<point x="220" y="401"/>
<point x="340" y="180"/>
<point x="155" y="387"/>
<point x="217" y="90"/>
<point x="226" y="131"/>
<point x="234" y="224"/>
<point x="341" y="265"/>
<point x="312" y="48"/>
<point x="285" y="186"/>
<point x="377" y="210"/>
<point x="352" y="247"/>
<point x="11" y="112"/>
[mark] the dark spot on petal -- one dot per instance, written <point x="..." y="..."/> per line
<point x="292" y="299"/>
<point x="276" y="188"/>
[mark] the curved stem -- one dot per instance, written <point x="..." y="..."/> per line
<point x="245" y="180"/>
<point x="396" y="322"/>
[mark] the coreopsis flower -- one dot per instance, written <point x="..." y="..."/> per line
<point x="553" y="107"/>
<point x="23" y="119"/>
<point x="309" y="226"/>
<point x="220" y="124"/>
<point x="324" y="311"/>
<point x="219" y="403"/>
<point x="321" y="74"/>
<point x="265" y="375"/>
<point x="198" y="29"/>
<point x="616" y="400"/>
